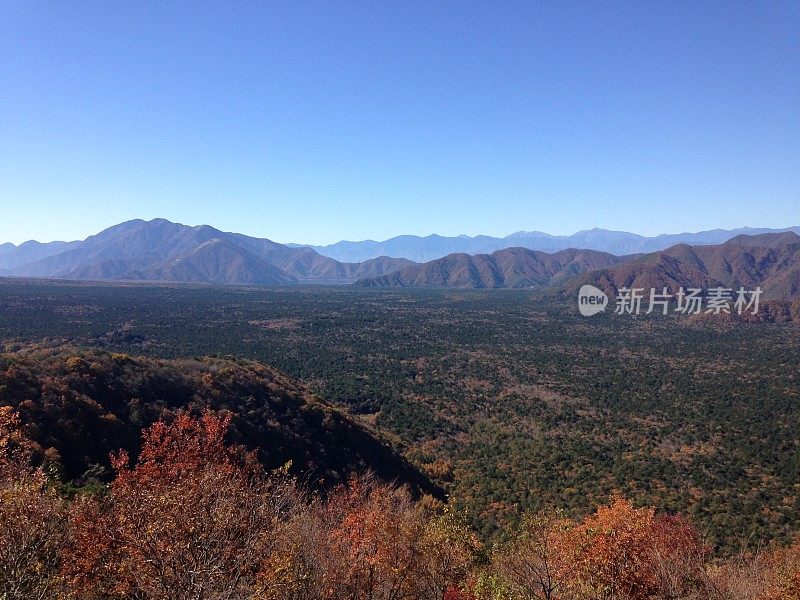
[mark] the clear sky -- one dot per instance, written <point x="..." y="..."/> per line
<point x="319" y="121"/>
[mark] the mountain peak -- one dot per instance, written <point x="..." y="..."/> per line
<point x="160" y="250"/>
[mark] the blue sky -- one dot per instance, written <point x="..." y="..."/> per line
<point x="319" y="121"/>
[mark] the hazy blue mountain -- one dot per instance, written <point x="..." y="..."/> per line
<point x="423" y="249"/>
<point x="12" y="256"/>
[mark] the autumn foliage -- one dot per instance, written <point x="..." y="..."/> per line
<point x="632" y="553"/>
<point x="32" y="520"/>
<point x="194" y="518"/>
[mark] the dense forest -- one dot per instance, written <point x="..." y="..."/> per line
<point x="508" y="401"/>
<point x="195" y="517"/>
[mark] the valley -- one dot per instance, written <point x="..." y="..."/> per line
<point x="507" y="399"/>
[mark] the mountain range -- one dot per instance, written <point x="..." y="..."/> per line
<point x="423" y="249"/>
<point x="770" y="261"/>
<point x="160" y="250"/>
<point x="509" y="268"/>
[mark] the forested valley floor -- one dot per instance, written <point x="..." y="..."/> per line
<point x="549" y="435"/>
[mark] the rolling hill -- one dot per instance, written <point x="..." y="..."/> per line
<point x="509" y="268"/>
<point x="771" y="261"/>
<point x="80" y="406"/>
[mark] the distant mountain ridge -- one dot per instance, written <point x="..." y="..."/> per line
<point x="160" y="250"/>
<point x="424" y="249"/>
<point x="508" y="268"/>
<point x="12" y="256"/>
<point x="770" y="261"/>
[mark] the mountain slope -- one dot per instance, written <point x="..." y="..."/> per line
<point x="771" y="261"/>
<point x="509" y="268"/>
<point x="217" y="261"/>
<point x="79" y="406"/>
<point x="423" y="249"/>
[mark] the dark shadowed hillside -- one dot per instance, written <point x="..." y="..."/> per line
<point x="80" y="406"/>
